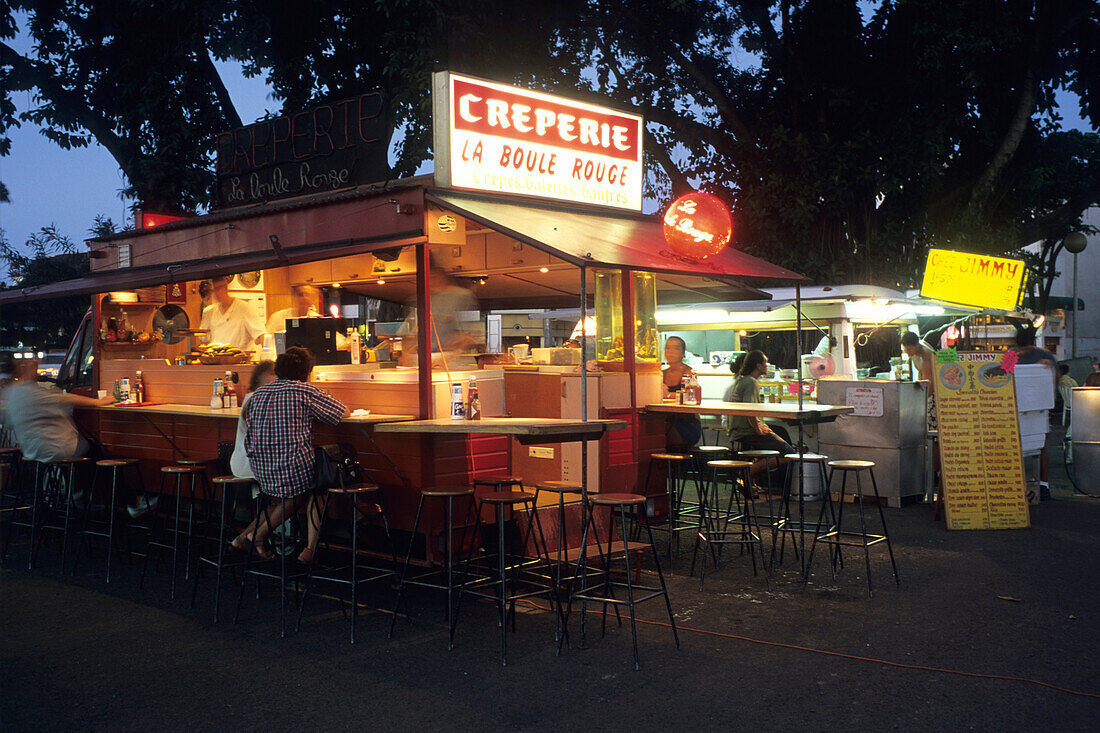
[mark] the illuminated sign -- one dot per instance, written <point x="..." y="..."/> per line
<point x="975" y="280"/>
<point x="150" y="219"/>
<point x="697" y="225"/>
<point x="492" y="137"/>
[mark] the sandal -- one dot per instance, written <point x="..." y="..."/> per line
<point x="306" y="556"/>
<point x="245" y="544"/>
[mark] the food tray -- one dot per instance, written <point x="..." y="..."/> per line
<point x="224" y="360"/>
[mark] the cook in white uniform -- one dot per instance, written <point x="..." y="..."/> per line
<point x="231" y="321"/>
<point x="304" y="298"/>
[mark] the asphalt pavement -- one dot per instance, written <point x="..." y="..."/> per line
<point x="987" y="631"/>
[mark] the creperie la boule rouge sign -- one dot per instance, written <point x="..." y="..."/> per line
<point x="492" y="137"/>
<point x="324" y="148"/>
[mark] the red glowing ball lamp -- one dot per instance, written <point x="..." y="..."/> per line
<point x="698" y="225"/>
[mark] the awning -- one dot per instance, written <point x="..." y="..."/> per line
<point x="138" y="277"/>
<point x="1064" y="302"/>
<point x="604" y="239"/>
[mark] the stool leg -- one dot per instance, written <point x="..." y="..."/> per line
<point x="661" y="580"/>
<point x="502" y="597"/>
<point x="313" y="564"/>
<point x="405" y="569"/>
<point x="70" y="510"/>
<point x="153" y="526"/>
<point x="863" y="535"/>
<point x="354" y="561"/>
<point x="885" y="531"/>
<point x="221" y="553"/>
<point x="629" y="588"/>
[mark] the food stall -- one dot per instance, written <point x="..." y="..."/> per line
<point x="413" y="241"/>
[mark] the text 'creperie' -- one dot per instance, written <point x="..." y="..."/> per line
<point x="483" y="109"/>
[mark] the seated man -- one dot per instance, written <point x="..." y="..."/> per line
<point x="753" y="432"/>
<point x="40" y="417"/>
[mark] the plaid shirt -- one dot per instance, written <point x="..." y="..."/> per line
<point x="279" y="434"/>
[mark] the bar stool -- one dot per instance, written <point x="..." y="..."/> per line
<point x="676" y="466"/>
<point x="231" y="488"/>
<point x="355" y="495"/>
<point x="604" y="591"/>
<point x="13" y="500"/>
<point x="498" y="483"/>
<point x="862" y="538"/>
<point x="511" y="574"/>
<point x="263" y="571"/>
<point x="788" y="525"/>
<point x="448" y="495"/>
<point x="113" y="466"/>
<point x="53" y="475"/>
<point x="715" y="530"/>
<point x="700" y="454"/>
<point x="176" y="475"/>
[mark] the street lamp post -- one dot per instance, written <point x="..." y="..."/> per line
<point x="1075" y="242"/>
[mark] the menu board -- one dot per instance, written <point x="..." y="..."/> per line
<point x="982" y="467"/>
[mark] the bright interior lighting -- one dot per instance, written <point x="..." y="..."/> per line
<point x="544" y="269"/>
<point x="336" y="285"/>
<point x="334" y="310"/>
<point x="380" y="281"/>
<point x="41" y="354"/>
<point x="692" y="315"/>
<point x="1039" y="322"/>
<point x="742" y="332"/>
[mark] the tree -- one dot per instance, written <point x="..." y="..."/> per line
<point x="136" y="76"/>
<point x="46" y="257"/>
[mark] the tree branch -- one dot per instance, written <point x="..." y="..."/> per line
<point x="679" y="180"/>
<point x="125" y="153"/>
<point x="214" y="79"/>
<point x="1060" y="218"/>
<point x="718" y="95"/>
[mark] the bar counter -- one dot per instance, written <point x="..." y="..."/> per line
<point x="808" y="414"/>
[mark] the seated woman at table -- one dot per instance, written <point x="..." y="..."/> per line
<point x="753" y="432"/>
<point x="279" y="444"/>
<point x="685" y="431"/>
<point x="263" y="373"/>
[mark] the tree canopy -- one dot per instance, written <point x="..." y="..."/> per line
<point x="849" y="136"/>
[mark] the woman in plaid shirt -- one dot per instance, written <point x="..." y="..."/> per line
<point x="279" y="445"/>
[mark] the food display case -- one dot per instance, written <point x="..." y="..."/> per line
<point x="610" y="328"/>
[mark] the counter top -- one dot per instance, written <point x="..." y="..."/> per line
<point x="234" y="413"/>
<point x="526" y="429"/>
<point x="809" y="412"/>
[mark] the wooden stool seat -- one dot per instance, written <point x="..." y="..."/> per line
<point x="560" y="487"/>
<point x="116" y="462"/>
<point x="355" y="489"/>
<point x="851" y="465"/>
<point x="195" y="461"/>
<point x="8" y="451"/>
<point x="179" y="469"/>
<point x="507" y="497"/>
<point x="728" y="463"/>
<point x="816" y="457"/>
<point x="668" y="457"/>
<point x="616" y="499"/>
<point x="710" y="449"/>
<point x="224" y="480"/>
<point x="758" y="453"/>
<point x="444" y="492"/>
<point x="68" y="461"/>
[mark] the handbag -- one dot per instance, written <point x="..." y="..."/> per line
<point x="336" y="466"/>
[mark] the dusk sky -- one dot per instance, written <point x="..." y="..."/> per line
<point x="69" y="188"/>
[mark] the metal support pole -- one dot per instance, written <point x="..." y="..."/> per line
<point x="1074" y="305"/>
<point x="801" y="430"/>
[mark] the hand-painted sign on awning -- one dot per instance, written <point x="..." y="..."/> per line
<point x="493" y="137"/>
<point x="975" y="280"/>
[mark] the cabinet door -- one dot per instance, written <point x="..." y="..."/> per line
<point x="313" y="273"/>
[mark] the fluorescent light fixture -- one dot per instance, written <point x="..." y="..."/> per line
<point x="685" y="316"/>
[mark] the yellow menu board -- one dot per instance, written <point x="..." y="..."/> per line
<point x="981" y="469"/>
<point x="969" y="279"/>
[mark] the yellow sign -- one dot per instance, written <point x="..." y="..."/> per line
<point x="982" y="469"/>
<point x="976" y="280"/>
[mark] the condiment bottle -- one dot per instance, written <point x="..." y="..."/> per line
<point x="139" y="387"/>
<point x="216" y="397"/>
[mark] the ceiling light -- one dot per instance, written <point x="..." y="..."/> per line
<point x="544" y="269"/>
<point x="380" y="281"/>
<point x="336" y="285"/>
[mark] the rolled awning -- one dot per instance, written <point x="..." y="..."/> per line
<point x="138" y="277"/>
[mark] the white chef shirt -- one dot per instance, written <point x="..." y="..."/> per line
<point x="239" y="325"/>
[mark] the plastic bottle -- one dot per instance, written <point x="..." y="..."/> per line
<point x="139" y="387"/>
<point x="458" y="407"/>
<point x="216" y="396"/>
<point x="234" y="398"/>
<point x="353" y="346"/>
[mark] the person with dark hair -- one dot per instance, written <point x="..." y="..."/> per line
<point x="737" y="363"/>
<point x="686" y="430"/>
<point x="921" y="355"/>
<point x="229" y="320"/>
<point x="263" y="373"/>
<point x="1028" y="353"/>
<point x="304" y="299"/>
<point x="753" y="432"/>
<point x="279" y="444"/>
